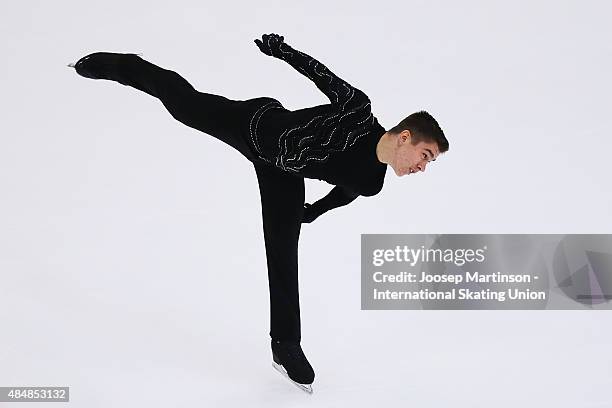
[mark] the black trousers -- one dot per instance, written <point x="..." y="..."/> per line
<point x="281" y="193"/>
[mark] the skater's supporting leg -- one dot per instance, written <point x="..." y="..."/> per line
<point x="282" y="205"/>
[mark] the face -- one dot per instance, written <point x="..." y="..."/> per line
<point x="411" y="158"/>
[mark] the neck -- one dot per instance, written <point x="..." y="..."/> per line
<point x="384" y="148"/>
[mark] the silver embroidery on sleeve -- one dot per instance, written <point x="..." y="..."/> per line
<point x="322" y="135"/>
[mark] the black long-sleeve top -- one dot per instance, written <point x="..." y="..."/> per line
<point x="334" y="142"/>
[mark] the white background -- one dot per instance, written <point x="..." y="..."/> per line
<point x="132" y="260"/>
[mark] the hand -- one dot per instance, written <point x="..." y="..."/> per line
<point x="270" y="44"/>
<point x="309" y="213"/>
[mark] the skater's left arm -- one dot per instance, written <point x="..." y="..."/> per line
<point x="335" y="88"/>
<point x="337" y="197"/>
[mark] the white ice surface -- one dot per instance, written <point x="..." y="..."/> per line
<point x="132" y="264"/>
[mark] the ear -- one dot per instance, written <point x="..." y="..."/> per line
<point x="405" y="136"/>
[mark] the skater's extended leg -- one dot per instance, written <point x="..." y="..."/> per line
<point x="206" y="112"/>
<point x="282" y="205"/>
<point x="215" y="115"/>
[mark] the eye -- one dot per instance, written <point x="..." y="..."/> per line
<point x="424" y="155"/>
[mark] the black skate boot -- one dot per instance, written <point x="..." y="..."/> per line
<point x="102" y="65"/>
<point x="126" y="69"/>
<point x="289" y="359"/>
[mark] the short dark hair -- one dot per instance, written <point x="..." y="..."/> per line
<point x="424" y="128"/>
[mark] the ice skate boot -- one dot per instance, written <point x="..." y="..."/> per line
<point x="289" y="360"/>
<point x="101" y="65"/>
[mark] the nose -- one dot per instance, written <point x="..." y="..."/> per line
<point x="421" y="166"/>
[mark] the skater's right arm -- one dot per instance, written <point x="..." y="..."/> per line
<point x="337" y="197"/>
<point x="336" y="89"/>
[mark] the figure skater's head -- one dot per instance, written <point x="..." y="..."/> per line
<point x="410" y="145"/>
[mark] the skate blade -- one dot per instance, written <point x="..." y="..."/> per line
<point x="304" y="387"/>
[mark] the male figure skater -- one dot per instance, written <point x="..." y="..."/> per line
<point x="340" y="142"/>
